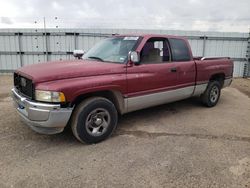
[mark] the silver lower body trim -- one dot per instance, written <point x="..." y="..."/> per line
<point x="199" y="89"/>
<point x="145" y="101"/>
<point x="41" y="117"/>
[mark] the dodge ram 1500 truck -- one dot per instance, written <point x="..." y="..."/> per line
<point x="120" y="74"/>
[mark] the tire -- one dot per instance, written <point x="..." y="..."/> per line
<point x="212" y="94"/>
<point x="94" y="120"/>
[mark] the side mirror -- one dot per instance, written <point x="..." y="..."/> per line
<point x="134" y="57"/>
<point x="78" y="54"/>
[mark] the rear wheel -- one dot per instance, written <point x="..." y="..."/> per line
<point x="212" y="94"/>
<point x="94" y="120"/>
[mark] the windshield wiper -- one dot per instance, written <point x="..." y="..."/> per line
<point x="93" y="57"/>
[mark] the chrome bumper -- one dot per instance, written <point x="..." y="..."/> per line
<point x="41" y="117"/>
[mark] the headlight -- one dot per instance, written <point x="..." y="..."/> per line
<point x="49" y="96"/>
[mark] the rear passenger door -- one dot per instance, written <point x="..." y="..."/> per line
<point x="184" y="63"/>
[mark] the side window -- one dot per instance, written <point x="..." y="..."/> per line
<point x="180" y="51"/>
<point x="155" y="50"/>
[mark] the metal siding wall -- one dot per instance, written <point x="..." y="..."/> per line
<point x="61" y="43"/>
<point x="58" y="42"/>
<point x="30" y="59"/>
<point x="61" y="57"/>
<point x="33" y="43"/>
<point x="9" y="62"/>
<point x="197" y="47"/>
<point x="233" y="49"/>
<point x="238" y="68"/>
<point x="9" y="43"/>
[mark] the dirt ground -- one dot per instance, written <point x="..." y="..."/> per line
<point x="243" y="85"/>
<point x="181" y="144"/>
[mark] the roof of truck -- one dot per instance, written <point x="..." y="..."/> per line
<point x="148" y="35"/>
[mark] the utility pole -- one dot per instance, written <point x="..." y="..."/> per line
<point x="204" y="45"/>
<point x="46" y="40"/>
<point x="247" y="72"/>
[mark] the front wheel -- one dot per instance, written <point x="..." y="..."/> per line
<point x="94" y="120"/>
<point x="212" y="94"/>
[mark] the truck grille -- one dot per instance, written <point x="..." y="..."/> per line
<point x="23" y="85"/>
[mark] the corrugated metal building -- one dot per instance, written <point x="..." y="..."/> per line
<point x="19" y="47"/>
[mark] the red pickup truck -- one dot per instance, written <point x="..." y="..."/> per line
<point x="120" y="74"/>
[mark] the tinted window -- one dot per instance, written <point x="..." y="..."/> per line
<point x="180" y="51"/>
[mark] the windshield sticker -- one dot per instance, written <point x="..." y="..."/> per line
<point x="130" y="38"/>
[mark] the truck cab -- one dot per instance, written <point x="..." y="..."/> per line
<point x="120" y="74"/>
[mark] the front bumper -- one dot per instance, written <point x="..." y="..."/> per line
<point x="43" y="118"/>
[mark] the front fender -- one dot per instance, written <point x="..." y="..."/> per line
<point x="74" y="87"/>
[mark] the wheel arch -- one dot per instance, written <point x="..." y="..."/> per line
<point x="114" y="96"/>
<point x="220" y="77"/>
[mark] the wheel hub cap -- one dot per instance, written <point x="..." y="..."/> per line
<point x="97" y="122"/>
<point x="214" y="94"/>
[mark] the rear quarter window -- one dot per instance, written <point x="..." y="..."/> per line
<point x="179" y="49"/>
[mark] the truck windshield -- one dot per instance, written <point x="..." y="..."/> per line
<point x="112" y="49"/>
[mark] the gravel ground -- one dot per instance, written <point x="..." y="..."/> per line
<point x="181" y="144"/>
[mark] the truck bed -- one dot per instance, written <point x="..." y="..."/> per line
<point x="209" y="58"/>
<point x="211" y="66"/>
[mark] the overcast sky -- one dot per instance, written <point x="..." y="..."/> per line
<point x="204" y="15"/>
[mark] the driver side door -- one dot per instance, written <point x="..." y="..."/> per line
<point x="151" y="82"/>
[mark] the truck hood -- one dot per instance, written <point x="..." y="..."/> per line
<point x="57" y="70"/>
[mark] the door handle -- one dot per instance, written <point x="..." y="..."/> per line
<point x="173" y="69"/>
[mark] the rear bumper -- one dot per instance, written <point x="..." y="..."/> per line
<point x="43" y="118"/>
